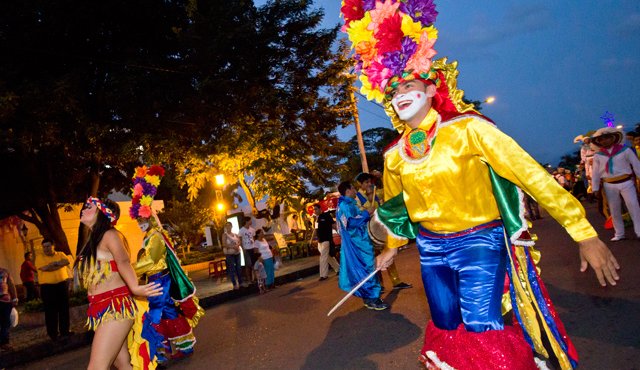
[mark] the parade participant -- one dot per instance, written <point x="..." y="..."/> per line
<point x="450" y="182"/>
<point x="105" y="270"/>
<point x="356" y="252"/>
<point x="615" y="164"/>
<point x="167" y="325"/>
<point x="367" y="199"/>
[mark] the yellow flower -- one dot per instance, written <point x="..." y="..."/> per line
<point x="370" y="93"/>
<point x="359" y="30"/>
<point x="153" y="180"/>
<point x="432" y="32"/>
<point x="411" y="28"/>
<point x="415" y="30"/>
<point x="146" y="200"/>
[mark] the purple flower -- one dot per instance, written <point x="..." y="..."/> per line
<point x="396" y="61"/>
<point x="133" y="211"/>
<point x="368" y="5"/>
<point x="148" y="189"/>
<point x="423" y="11"/>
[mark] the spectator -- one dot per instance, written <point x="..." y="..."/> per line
<point x="54" y="289"/>
<point x="231" y="248"/>
<point x="261" y="274"/>
<point x="356" y="252"/>
<point x="8" y="300"/>
<point x="615" y="164"/>
<point x="531" y="206"/>
<point x="294" y="227"/>
<point x="262" y="246"/>
<point x="326" y="224"/>
<point x="27" y="275"/>
<point x="247" y="235"/>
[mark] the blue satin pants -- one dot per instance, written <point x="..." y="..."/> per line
<point x="463" y="276"/>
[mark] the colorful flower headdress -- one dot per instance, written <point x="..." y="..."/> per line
<point x="145" y="187"/>
<point x="393" y="41"/>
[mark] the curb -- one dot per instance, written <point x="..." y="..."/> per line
<point x="41" y="350"/>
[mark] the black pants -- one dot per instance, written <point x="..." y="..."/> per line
<point x="5" y="321"/>
<point x="32" y="293"/>
<point x="55" y="298"/>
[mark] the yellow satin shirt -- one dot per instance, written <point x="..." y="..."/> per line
<point x="449" y="190"/>
<point x="152" y="257"/>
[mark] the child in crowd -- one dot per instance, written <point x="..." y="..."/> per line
<point x="261" y="275"/>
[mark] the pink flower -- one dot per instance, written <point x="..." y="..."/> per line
<point x="138" y="190"/>
<point x="421" y="60"/>
<point x="145" y="211"/>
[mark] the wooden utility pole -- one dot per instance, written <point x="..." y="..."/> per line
<point x="356" y="117"/>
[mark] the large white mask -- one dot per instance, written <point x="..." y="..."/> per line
<point x="144" y="226"/>
<point x="408" y="104"/>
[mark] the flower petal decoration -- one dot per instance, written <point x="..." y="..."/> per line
<point x="145" y="187"/>
<point x="387" y="38"/>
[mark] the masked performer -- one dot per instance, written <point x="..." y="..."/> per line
<point x="451" y="181"/>
<point x="105" y="268"/>
<point x="167" y="325"/>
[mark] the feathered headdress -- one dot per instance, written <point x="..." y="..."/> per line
<point x="393" y="41"/>
<point x="145" y="187"/>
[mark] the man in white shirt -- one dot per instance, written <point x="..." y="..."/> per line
<point x="247" y="235"/>
<point x="615" y="164"/>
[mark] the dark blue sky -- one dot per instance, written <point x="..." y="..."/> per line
<point x="554" y="67"/>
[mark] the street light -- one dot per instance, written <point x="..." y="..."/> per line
<point x="219" y="180"/>
<point x="490" y="100"/>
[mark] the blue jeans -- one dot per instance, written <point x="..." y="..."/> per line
<point x="234" y="268"/>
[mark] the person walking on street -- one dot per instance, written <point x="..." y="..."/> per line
<point x="454" y="182"/>
<point x="28" y="277"/>
<point x="54" y="277"/>
<point x="367" y="199"/>
<point x="8" y="300"/>
<point x="106" y="272"/>
<point x="357" y="260"/>
<point x="326" y="225"/>
<point x="615" y="165"/>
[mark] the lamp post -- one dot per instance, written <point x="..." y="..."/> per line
<point x="220" y="206"/>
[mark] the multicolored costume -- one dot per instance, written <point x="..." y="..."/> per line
<point x="116" y="304"/>
<point x="453" y="184"/>
<point x="166" y="324"/>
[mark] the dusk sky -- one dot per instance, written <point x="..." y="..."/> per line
<point x="555" y="67"/>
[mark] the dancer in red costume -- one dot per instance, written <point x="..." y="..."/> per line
<point x="455" y="183"/>
<point x="105" y="268"/>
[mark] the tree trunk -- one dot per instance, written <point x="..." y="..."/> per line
<point x="248" y="193"/>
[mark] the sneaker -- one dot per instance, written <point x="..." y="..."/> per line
<point x="402" y="285"/>
<point x="618" y="238"/>
<point x="376" y="304"/>
<point x="323" y="278"/>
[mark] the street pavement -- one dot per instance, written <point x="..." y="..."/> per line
<point x="288" y="327"/>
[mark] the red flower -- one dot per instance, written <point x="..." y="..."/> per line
<point x="156" y="170"/>
<point x="135" y="200"/>
<point x="389" y="35"/>
<point x="352" y="10"/>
